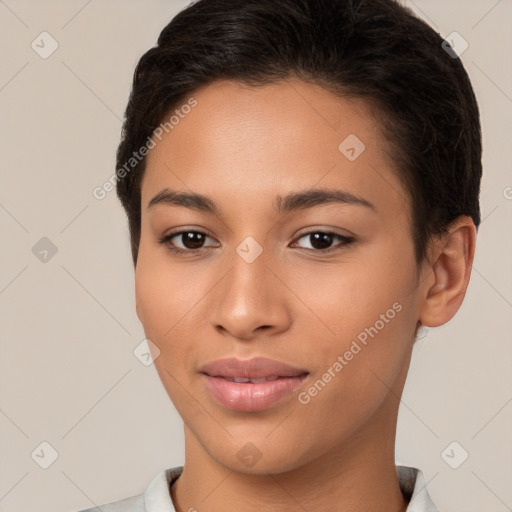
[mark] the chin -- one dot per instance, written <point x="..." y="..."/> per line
<point x="258" y="457"/>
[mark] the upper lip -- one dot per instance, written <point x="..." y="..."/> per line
<point x="255" y="368"/>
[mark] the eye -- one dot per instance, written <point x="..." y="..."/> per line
<point x="191" y="241"/>
<point x="321" y="241"/>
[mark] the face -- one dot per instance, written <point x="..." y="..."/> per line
<point x="326" y="284"/>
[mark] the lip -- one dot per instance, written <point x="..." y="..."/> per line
<point x="254" y="368"/>
<point x="249" y="396"/>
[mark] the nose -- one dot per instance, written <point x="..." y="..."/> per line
<point x="250" y="300"/>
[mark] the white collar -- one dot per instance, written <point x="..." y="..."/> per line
<point x="157" y="497"/>
<point x="413" y="486"/>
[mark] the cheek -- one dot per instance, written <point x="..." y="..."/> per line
<point x="344" y="298"/>
<point x="169" y="300"/>
<point x="165" y="294"/>
<point x="361" y="367"/>
<point x="363" y="311"/>
<point x="165" y="306"/>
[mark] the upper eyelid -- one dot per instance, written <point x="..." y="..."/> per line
<point x="182" y="231"/>
<point x="346" y="239"/>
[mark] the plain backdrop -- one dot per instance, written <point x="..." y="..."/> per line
<point x="74" y="396"/>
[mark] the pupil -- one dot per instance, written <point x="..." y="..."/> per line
<point x="321" y="240"/>
<point x="192" y="240"/>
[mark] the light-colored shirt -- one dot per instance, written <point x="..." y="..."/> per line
<point x="157" y="496"/>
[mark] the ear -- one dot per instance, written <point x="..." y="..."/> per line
<point x="445" y="277"/>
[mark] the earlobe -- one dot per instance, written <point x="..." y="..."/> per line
<point x="450" y="268"/>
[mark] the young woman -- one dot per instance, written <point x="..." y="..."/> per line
<point x="301" y="180"/>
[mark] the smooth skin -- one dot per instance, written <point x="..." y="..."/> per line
<point x="242" y="147"/>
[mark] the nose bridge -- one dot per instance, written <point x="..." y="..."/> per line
<point x="249" y="297"/>
<point x="249" y="279"/>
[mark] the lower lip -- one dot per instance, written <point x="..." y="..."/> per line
<point x="249" y="396"/>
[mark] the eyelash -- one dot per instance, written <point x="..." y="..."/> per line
<point x="346" y="241"/>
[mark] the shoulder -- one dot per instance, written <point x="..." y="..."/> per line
<point x="156" y="497"/>
<point x="413" y="487"/>
<point x="132" y="504"/>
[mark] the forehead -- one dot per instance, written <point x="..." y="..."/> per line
<point x="272" y="138"/>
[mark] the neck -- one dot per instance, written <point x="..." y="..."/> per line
<point x="359" y="474"/>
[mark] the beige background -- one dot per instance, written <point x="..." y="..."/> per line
<point x="68" y="331"/>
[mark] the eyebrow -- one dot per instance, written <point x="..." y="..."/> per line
<point x="291" y="202"/>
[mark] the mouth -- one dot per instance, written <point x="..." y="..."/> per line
<point x="251" y="369"/>
<point x="255" y="380"/>
<point x="251" y="384"/>
<point x="251" y="395"/>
